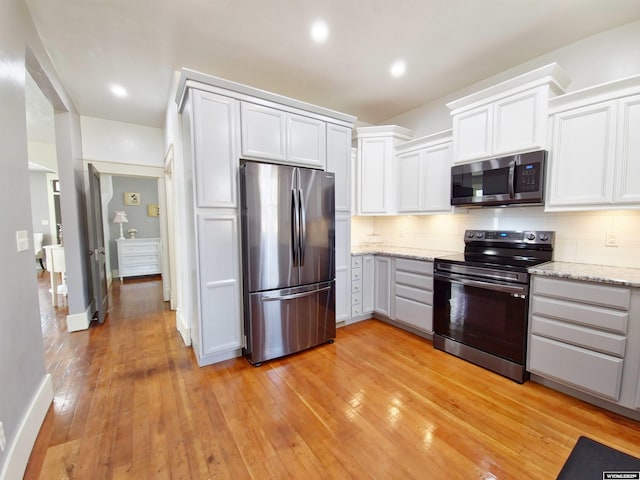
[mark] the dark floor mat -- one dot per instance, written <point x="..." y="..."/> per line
<point x="592" y="460"/>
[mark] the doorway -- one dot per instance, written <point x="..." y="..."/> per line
<point x="45" y="197"/>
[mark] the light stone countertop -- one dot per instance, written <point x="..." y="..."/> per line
<point x="625" y="276"/>
<point x="402" y="252"/>
<point x="629" y="277"/>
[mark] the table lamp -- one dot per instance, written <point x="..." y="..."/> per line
<point x="120" y="218"/>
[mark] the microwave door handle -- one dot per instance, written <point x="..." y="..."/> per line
<point x="512" y="174"/>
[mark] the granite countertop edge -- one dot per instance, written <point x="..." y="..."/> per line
<point x="400" y="252"/>
<point x="624" y="276"/>
<point x="606" y="274"/>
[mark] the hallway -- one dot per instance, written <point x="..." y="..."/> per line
<point x="119" y="367"/>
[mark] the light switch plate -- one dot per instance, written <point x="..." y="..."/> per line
<point x="612" y="239"/>
<point x="22" y="240"/>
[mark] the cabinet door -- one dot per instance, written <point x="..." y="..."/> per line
<point x="343" y="267"/>
<point x="339" y="162"/>
<point x="520" y="122"/>
<point x="306" y="141"/>
<point x="409" y="181"/>
<point x="436" y="179"/>
<point x="582" y="157"/>
<point x="263" y="132"/>
<point x="215" y="127"/>
<point x="219" y="284"/>
<point x="584" y="369"/>
<point x="368" y="273"/>
<point x="628" y="148"/>
<point x="373" y="155"/>
<point x="472" y="134"/>
<point x="382" y="287"/>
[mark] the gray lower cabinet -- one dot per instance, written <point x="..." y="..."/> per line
<point x="580" y="336"/>
<point x="382" y="286"/>
<point x="413" y="298"/>
<point x="362" y="280"/>
<point x="398" y="290"/>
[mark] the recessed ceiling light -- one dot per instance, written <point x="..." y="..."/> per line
<point x="398" y="68"/>
<point x="118" y="90"/>
<point x="319" y="31"/>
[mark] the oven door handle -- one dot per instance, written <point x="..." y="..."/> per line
<point x="498" y="287"/>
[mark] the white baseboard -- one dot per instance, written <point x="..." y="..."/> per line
<point x="185" y="330"/>
<point x="27" y="432"/>
<point x="80" y="321"/>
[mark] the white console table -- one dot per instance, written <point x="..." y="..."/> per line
<point x="138" y="256"/>
<point x="55" y="264"/>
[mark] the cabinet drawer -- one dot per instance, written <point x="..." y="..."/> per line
<point x="140" y="249"/>
<point x="415" y="266"/>
<point x="580" y="313"/>
<point x="356" y="287"/>
<point x="414" y="280"/>
<point x="133" y="270"/>
<point x="356" y="299"/>
<point x="356" y="262"/>
<point x="356" y="274"/>
<point x="605" y="342"/>
<point x="413" y="313"/>
<point x="594" y="293"/>
<point x="417" y="294"/>
<point x="589" y="371"/>
<point x="138" y="259"/>
<point x="356" y="310"/>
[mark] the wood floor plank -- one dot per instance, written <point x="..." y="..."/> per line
<point x="131" y="403"/>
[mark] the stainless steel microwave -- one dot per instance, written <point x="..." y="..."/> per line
<point x="512" y="180"/>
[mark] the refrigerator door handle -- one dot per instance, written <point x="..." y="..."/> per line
<point x="302" y="226"/>
<point x="293" y="295"/>
<point x="295" y="228"/>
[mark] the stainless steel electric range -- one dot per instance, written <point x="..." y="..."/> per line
<point x="481" y="298"/>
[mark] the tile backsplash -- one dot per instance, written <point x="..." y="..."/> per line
<point x="580" y="236"/>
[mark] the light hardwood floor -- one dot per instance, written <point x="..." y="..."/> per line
<point x="130" y="402"/>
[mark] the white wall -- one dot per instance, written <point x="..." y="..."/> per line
<point x="580" y="236"/>
<point x="185" y="310"/>
<point x="119" y="142"/>
<point x="601" y="58"/>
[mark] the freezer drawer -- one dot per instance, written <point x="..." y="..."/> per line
<point x="290" y="320"/>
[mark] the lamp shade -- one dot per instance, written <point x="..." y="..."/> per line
<point x="120" y="217"/>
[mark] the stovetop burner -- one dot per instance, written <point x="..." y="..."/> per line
<point x="504" y="249"/>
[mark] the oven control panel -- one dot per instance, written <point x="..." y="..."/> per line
<point x="535" y="237"/>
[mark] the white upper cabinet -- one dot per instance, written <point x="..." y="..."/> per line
<point x="594" y="160"/>
<point x="582" y="156"/>
<point x="627" y="186"/>
<point x="423" y="182"/>
<point x="473" y="133"/>
<point x="272" y="134"/>
<point x="215" y="130"/>
<point x="264" y="132"/>
<point x="376" y="168"/>
<point x="507" y="118"/>
<point x="307" y="141"/>
<point x="339" y="162"/>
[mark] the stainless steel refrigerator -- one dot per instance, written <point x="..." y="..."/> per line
<point x="288" y="256"/>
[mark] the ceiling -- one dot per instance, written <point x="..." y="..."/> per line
<point x="447" y="45"/>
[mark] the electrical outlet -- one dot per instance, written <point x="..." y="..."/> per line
<point x="3" y="438"/>
<point x="612" y="239"/>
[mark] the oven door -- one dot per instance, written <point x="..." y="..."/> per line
<point x="487" y="315"/>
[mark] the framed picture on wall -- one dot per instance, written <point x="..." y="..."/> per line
<point x="153" y="210"/>
<point x="132" y="198"/>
